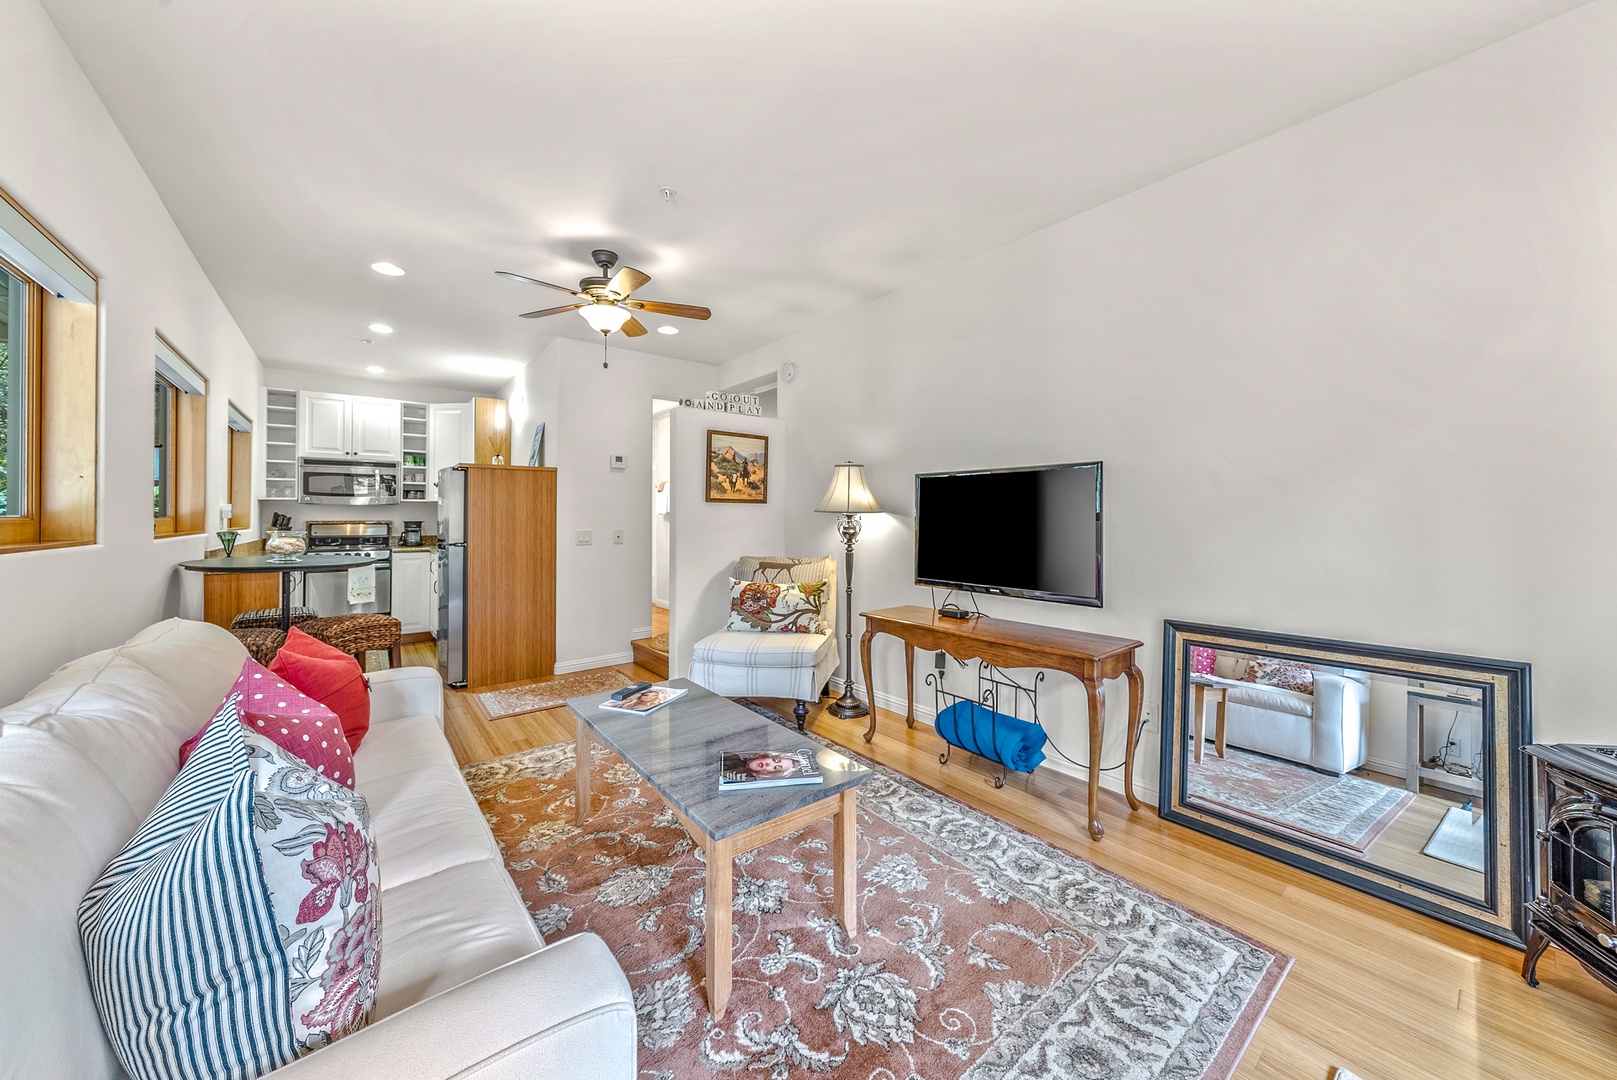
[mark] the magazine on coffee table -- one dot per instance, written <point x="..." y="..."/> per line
<point x="647" y="701"/>
<point x="754" y="770"/>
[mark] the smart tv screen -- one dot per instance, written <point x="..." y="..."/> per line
<point x="1030" y="532"/>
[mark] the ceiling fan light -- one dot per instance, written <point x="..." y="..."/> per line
<point x="605" y="318"/>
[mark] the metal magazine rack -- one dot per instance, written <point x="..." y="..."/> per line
<point x="994" y="690"/>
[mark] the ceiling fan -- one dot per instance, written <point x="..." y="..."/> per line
<point x="604" y="300"/>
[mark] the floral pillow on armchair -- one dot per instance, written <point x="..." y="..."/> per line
<point x="789" y="608"/>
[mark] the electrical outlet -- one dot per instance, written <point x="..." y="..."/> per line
<point x="938" y="658"/>
<point x="617" y="536"/>
<point x="585" y="538"/>
<point x="1148" y="714"/>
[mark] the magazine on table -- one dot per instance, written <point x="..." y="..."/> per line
<point x="754" y="770"/>
<point x="647" y="701"/>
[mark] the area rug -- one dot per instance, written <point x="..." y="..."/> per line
<point x="1346" y="813"/>
<point x="981" y="952"/>
<point x="534" y="696"/>
<point x="1459" y="840"/>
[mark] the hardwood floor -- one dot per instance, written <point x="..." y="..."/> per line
<point x="1386" y="993"/>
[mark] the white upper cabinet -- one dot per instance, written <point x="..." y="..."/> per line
<point x="374" y="429"/>
<point x="343" y="426"/>
<point x="323" y="425"/>
<point x="450" y="430"/>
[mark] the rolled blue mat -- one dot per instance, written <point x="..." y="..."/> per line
<point x="1014" y="743"/>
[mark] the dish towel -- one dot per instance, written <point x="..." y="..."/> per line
<point x="362" y="584"/>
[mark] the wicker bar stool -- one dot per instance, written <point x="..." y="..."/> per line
<point x="269" y="618"/>
<point x="262" y="642"/>
<point x="357" y="635"/>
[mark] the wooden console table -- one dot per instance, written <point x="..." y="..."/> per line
<point x="1090" y="658"/>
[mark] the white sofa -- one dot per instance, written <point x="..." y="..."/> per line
<point x="1326" y="730"/>
<point x="467" y="986"/>
<point x="744" y="663"/>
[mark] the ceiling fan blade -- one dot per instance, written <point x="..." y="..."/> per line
<point x="626" y="281"/>
<point x="657" y="307"/>
<point x="549" y="311"/>
<point x="632" y="328"/>
<point x="536" y="281"/>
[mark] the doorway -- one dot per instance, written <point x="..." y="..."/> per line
<point x="652" y="653"/>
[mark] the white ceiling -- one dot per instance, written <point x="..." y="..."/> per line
<point x="824" y="151"/>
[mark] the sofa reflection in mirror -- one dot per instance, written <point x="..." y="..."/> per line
<point x="1394" y="770"/>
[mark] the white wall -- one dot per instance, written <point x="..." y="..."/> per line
<point x="67" y="164"/>
<point x="603" y="591"/>
<point x="661" y="473"/>
<point x="1353" y="380"/>
<point x="707" y="538"/>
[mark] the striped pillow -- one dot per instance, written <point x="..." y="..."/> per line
<point x="239" y="928"/>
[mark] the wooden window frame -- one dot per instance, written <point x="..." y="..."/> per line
<point x="187" y="458"/>
<point x="63" y="405"/>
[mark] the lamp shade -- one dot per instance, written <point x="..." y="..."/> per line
<point x="605" y="317"/>
<point x="849" y="494"/>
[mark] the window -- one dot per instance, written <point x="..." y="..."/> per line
<point x="241" y="467"/>
<point x="17" y="305"/>
<point x="47" y="388"/>
<point x="179" y="445"/>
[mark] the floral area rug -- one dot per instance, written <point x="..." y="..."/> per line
<point x="531" y="697"/>
<point x="981" y="952"/>
<point x="1345" y="813"/>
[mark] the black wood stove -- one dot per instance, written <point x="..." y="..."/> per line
<point x="1575" y="843"/>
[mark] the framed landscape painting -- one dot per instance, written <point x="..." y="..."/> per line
<point x="737" y="467"/>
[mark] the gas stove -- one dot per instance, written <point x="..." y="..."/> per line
<point x="360" y="539"/>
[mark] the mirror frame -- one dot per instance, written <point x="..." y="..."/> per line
<point x="1507" y="697"/>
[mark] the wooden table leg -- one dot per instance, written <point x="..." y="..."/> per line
<point x="1198" y="720"/>
<point x="845" y="826"/>
<point x="581" y="769"/>
<point x="1136" y="710"/>
<point x="1218" y="729"/>
<point x="720" y="896"/>
<point x="1097" y="732"/>
<point x="870" y="687"/>
<point x="909" y="683"/>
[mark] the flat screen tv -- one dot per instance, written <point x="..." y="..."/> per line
<point x="1032" y="532"/>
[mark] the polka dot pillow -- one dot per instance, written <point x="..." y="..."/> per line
<point x="300" y="725"/>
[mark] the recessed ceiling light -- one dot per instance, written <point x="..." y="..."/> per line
<point x="379" y="328"/>
<point x="667" y="329"/>
<point x="375" y="369"/>
<point x="387" y="268"/>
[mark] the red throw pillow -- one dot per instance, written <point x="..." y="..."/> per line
<point x="329" y="676"/>
<point x="289" y="718"/>
<point x="1201" y="660"/>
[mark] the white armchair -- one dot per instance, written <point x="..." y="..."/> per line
<point x="742" y="663"/>
<point x="1326" y="730"/>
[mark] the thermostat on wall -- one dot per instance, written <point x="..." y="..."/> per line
<point x="788" y="371"/>
<point x="616" y="463"/>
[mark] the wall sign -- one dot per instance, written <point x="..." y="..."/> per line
<point x="719" y="401"/>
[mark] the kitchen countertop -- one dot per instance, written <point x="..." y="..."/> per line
<point x="428" y="543"/>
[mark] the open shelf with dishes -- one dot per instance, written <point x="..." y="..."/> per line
<point x="414" y="485"/>
<point x="280" y="427"/>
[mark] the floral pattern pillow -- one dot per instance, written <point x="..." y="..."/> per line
<point x="787" y="608"/>
<point x="1285" y="674"/>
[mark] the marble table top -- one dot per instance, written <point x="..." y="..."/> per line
<point x="677" y="749"/>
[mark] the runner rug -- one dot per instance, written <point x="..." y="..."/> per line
<point x="549" y="694"/>
<point x="981" y="951"/>
<point x="1345" y="813"/>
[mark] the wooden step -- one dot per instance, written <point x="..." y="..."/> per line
<point x="650" y="657"/>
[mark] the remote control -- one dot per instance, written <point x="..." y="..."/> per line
<point x="630" y="691"/>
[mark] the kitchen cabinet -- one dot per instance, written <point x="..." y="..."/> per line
<point x="414" y="604"/>
<point x="344" y="426"/>
<point x="450" y="433"/>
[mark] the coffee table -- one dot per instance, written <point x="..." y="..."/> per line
<point x="677" y="750"/>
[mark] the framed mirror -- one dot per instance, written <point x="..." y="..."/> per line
<point x="1393" y="771"/>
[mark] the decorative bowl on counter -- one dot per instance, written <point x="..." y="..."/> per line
<point x="285" y="545"/>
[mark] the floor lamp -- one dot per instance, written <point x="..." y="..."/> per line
<point x="848" y="497"/>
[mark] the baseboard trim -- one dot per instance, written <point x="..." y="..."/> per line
<point x="1391" y="768"/>
<point x="567" y="667"/>
<point x="642" y="632"/>
<point x="417" y="638"/>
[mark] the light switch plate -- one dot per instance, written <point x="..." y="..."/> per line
<point x="585" y="538"/>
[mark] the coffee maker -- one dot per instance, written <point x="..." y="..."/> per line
<point x="411" y="534"/>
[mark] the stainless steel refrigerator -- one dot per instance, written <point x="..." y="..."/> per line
<point x="452" y="576"/>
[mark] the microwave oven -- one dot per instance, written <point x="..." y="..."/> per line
<point x="348" y="483"/>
